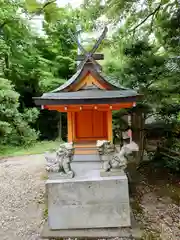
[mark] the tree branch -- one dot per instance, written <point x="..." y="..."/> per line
<point x="146" y="18"/>
<point x="47" y="3"/>
<point x="3" y="24"/>
<point x="150" y="83"/>
<point x="40" y="10"/>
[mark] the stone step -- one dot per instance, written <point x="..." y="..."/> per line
<point x="86" y="151"/>
<point x="85" y="146"/>
<point x="86" y="158"/>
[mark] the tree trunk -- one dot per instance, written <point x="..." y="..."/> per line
<point x="138" y="133"/>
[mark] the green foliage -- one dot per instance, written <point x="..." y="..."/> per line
<point x="143" y="69"/>
<point x="143" y="54"/>
<point x="14" y="126"/>
<point x="168" y="156"/>
<point x="32" y="5"/>
<point x="173" y="164"/>
<point x="34" y="64"/>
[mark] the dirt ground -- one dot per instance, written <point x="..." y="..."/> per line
<point x="156" y="202"/>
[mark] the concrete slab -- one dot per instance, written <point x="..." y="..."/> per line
<point x="82" y="164"/>
<point x="132" y="232"/>
<point x="82" y="168"/>
<point x="90" y="201"/>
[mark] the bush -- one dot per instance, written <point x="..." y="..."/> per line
<point x="168" y="156"/>
<point x="173" y="164"/>
<point x="15" y="127"/>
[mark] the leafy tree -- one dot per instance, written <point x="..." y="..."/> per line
<point x="57" y="51"/>
<point x="15" y="126"/>
<point x="36" y="64"/>
<point x="15" y="119"/>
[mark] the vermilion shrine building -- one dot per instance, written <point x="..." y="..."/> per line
<point x="88" y="98"/>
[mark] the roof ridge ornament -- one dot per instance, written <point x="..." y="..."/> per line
<point x="89" y="55"/>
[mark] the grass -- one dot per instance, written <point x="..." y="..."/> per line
<point x="44" y="176"/>
<point x="45" y="213"/>
<point x="37" y="148"/>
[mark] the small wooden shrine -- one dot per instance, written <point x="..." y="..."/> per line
<point x="89" y="98"/>
<point x="89" y="182"/>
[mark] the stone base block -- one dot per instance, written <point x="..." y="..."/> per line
<point x="111" y="173"/>
<point x="133" y="232"/>
<point x="88" y="202"/>
<point x="57" y="175"/>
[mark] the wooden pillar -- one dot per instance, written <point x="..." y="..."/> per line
<point x="70" y="125"/>
<point x="73" y="126"/>
<point x="138" y="133"/>
<point x="109" y="126"/>
<point x="60" y="126"/>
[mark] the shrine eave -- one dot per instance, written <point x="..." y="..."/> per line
<point x="80" y="74"/>
<point x="87" y="97"/>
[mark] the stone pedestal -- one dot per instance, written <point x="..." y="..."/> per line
<point x="130" y="233"/>
<point x="88" y="202"/>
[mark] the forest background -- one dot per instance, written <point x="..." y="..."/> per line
<point x="142" y="51"/>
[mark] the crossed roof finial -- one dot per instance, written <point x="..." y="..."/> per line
<point x="89" y="55"/>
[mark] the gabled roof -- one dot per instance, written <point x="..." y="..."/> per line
<point x="65" y="95"/>
<point x="81" y="73"/>
<point x="95" y="96"/>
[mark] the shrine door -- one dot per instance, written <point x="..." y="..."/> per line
<point x="90" y="125"/>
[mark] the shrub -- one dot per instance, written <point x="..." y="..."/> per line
<point x="15" y="127"/>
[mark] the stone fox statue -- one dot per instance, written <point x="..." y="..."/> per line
<point x="112" y="159"/>
<point x="61" y="163"/>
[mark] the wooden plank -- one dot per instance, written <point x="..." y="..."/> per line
<point x="99" y="124"/>
<point x="88" y="55"/>
<point x="109" y="126"/>
<point x="98" y="107"/>
<point x="96" y="56"/>
<point x="163" y="149"/>
<point x="89" y="80"/>
<point x="167" y="155"/>
<point x="73" y="126"/>
<point x="96" y="45"/>
<point x="84" y="123"/>
<point x="69" y="121"/>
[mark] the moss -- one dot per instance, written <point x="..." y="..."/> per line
<point x="44" y="176"/>
<point x="149" y="235"/>
<point x="136" y="207"/>
<point x="174" y="194"/>
<point x="45" y="213"/>
<point x="171" y="191"/>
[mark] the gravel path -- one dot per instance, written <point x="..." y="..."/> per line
<point x="21" y="197"/>
<point x="22" y="202"/>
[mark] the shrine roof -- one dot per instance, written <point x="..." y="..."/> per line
<point x="89" y="85"/>
<point x="113" y="81"/>
<point x="65" y="96"/>
<point x="81" y="73"/>
<point x="94" y="96"/>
